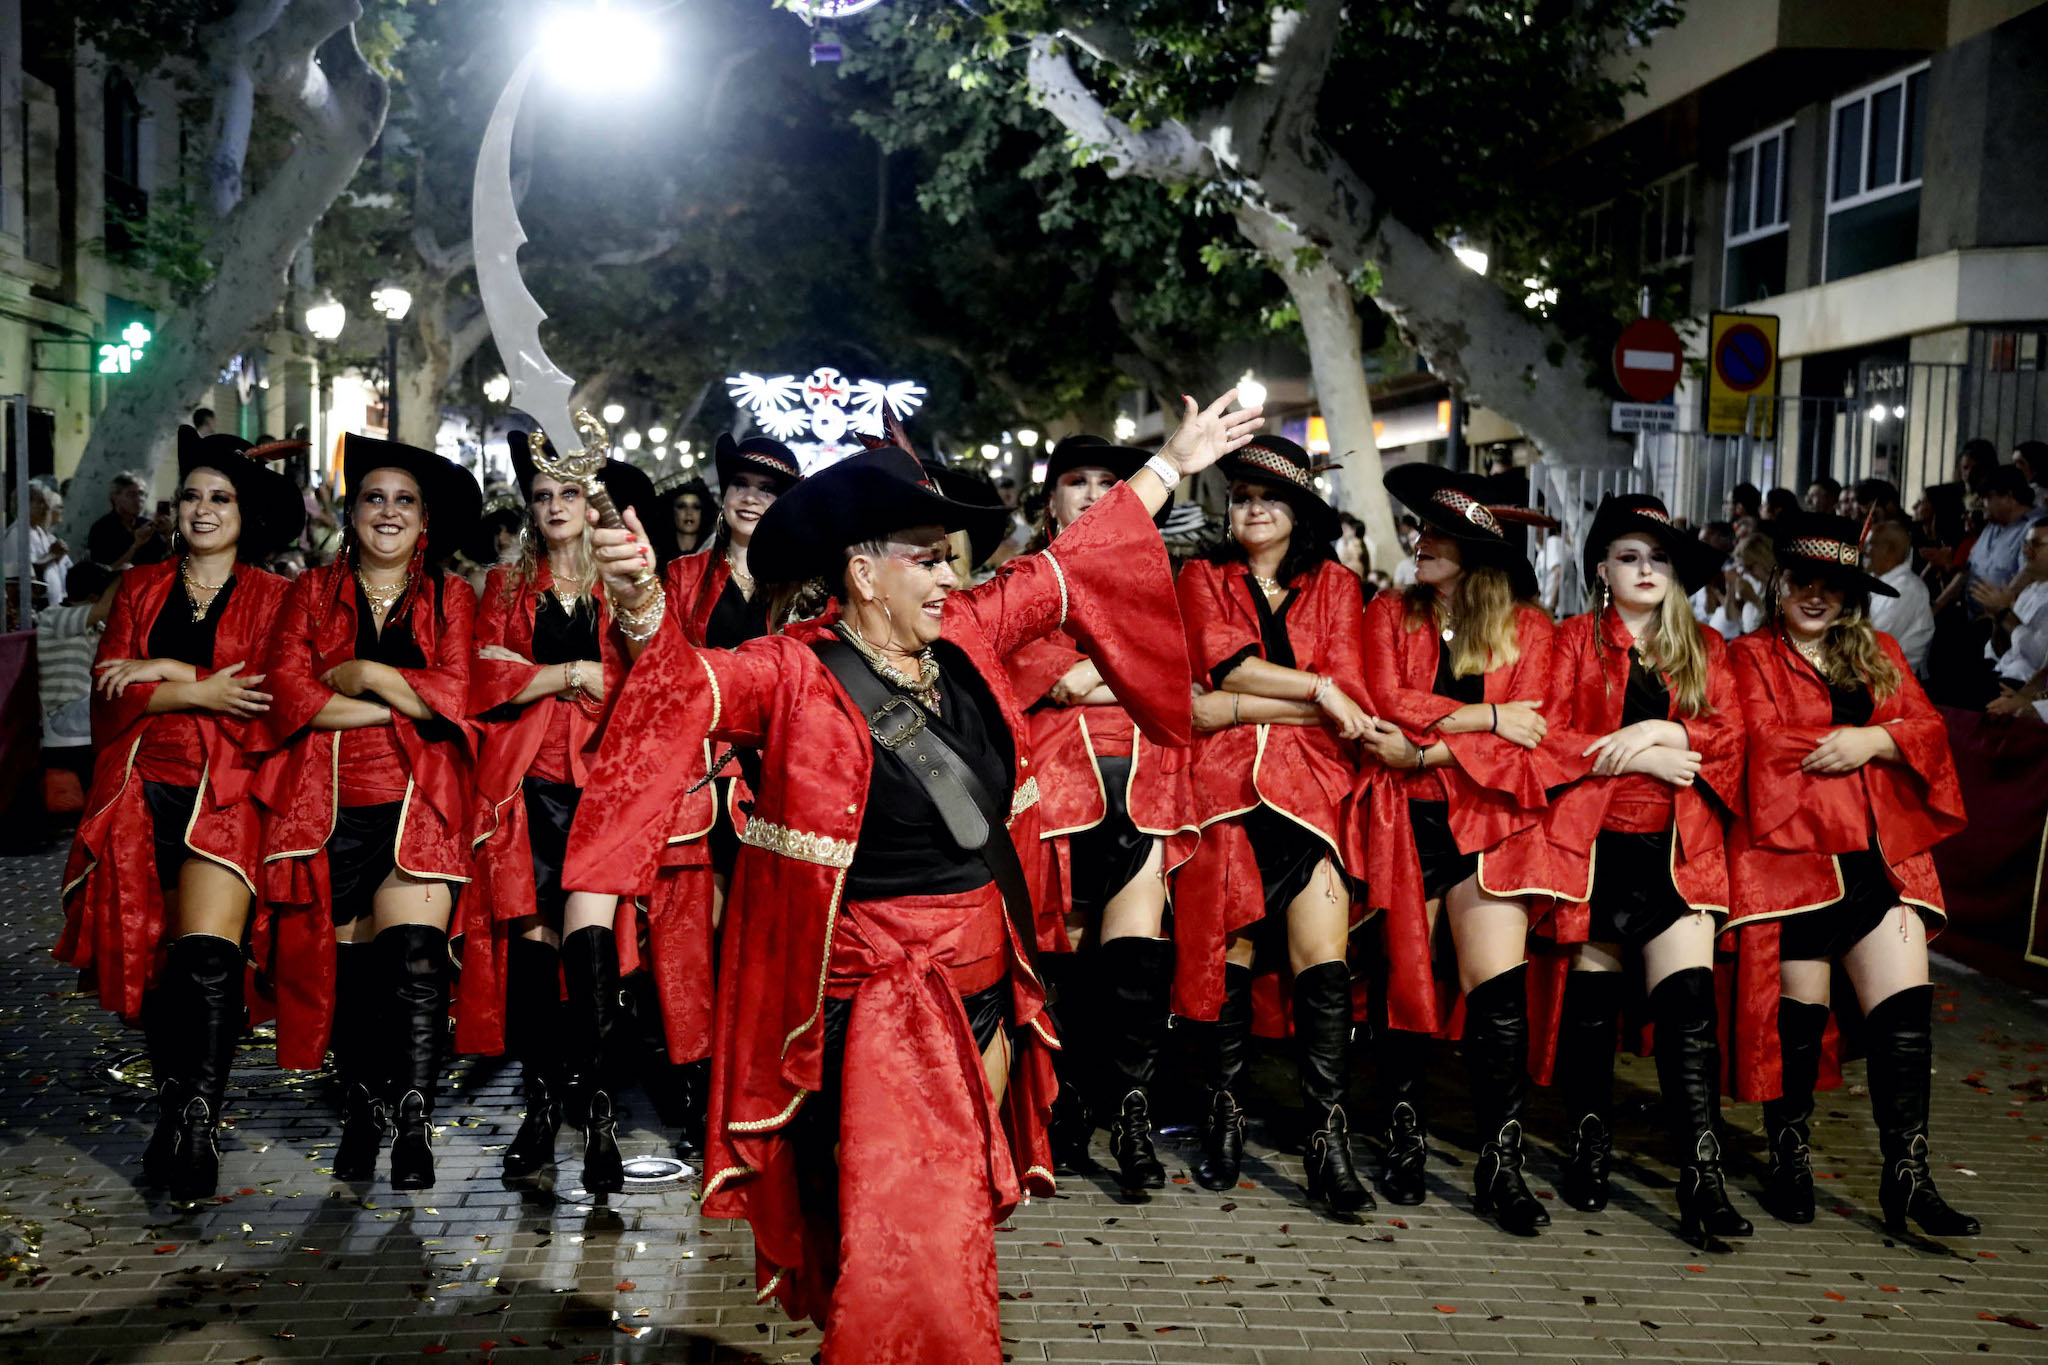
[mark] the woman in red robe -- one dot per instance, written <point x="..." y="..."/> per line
<point x="1118" y="819"/>
<point x="1457" y="666"/>
<point x="1273" y="633"/>
<point x="1851" y="785"/>
<point x="713" y="600"/>
<point x="367" y="800"/>
<point x="169" y="849"/>
<point x="878" y="1015"/>
<point x="547" y="659"/>
<point x="1642" y="704"/>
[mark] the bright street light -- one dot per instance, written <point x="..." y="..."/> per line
<point x="1125" y="427"/>
<point x="661" y="452"/>
<point x="1473" y="258"/>
<point x="614" y="413"/>
<point x="616" y="42"/>
<point x="1250" y="392"/>
<point x="497" y="388"/>
<point x="1027" y="437"/>
<point x="326" y="317"/>
<point x="657" y="433"/>
<point x="631" y="440"/>
<point x="391" y="301"/>
<point x="683" y="447"/>
<point x="990" y="452"/>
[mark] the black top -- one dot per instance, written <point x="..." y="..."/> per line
<point x="1850" y="705"/>
<point x="1647" y="698"/>
<point x="175" y="635"/>
<point x="735" y="620"/>
<point x="905" y="849"/>
<point x="560" y="636"/>
<point x="1470" y="690"/>
<point x="1273" y="637"/>
<point x="394" y="645"/>
<point x="110" y="538"/>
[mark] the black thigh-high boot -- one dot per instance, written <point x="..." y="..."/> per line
<point x="1322" y="1033"/>
<point x="590" y="966"/>
<point x="1497" y="1058"/>
<point x="164" y="1033"/>
<point x="1069" y="980"/>
<point x="360" y="1044"/>
<point x="1585" y="1081"/>
<point x="533" y="1027"/>
<point x="1901" y="1051"/>
<point x="1788" y="1120"/>
<point x="1135" y="980"/>
<point x="1401" y="1078"/>
<point x="414" y="959"/>
<point x="205" y="983"/>
<point x="1689" y="1073"/>
<point x="1229" y="1045"/>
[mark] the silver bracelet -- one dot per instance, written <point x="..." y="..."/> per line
<point x="1164" y="470"/>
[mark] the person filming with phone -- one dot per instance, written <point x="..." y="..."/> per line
<point x="125" y="537"/>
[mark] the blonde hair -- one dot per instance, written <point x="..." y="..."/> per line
<point x="1482" y="609"/>
<point x="532" y="549"/>
<point x="1676" y="651"/>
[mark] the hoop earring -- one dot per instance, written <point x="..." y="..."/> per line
<point x="890" y="617"/>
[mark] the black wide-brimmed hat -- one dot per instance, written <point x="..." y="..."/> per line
<point x="1453" y="503"/>
<point x="755" y="455"/>
<point x="1092" y="452"/>
<point x="972" y="490"/>
<point x="867" y="496"/>
<point x="1810" y="544"/>
<point x="273" y="512"/>
<point x="1693" y="561"/>
<point x="627" y="483"/>
<point x="1279" y="463"/>
<point x="454" y="500"/>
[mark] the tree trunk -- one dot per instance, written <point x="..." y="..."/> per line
<point x="316" y="79"/>
<point x="1329" y="319"/>
<point x="445" y="340"/>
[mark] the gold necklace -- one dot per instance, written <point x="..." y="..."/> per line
<point x="739" y="575"/>
<point x="381" y="599"/>
<point x="193" y="587"/>
<point x="1811" y="653"/>
<point x="924" y="687"/>
<point x="1269" y="586"/>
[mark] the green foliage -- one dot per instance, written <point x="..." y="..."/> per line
<point x="168" y="241"/>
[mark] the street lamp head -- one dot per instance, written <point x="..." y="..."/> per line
<point x="497" y="388"/>
<point x="391" y="301"/>
<point x="631" y="440"/>
<point x="325" y="317"/>
<point x="683" y="447"/>
<point x="657" y="433"/>
<point x="1250" y="392"/>
<point x="989" y="452"/>
<point x="614" y="413"/>
<point x="608" y="40"/>
<point x="1027" y="437"/>
<point x="1125" y="427"/>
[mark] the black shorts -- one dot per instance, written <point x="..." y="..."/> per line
<point x="361" y="852"/>
<point x="1443" y="866"/>
<point x="550" y="810"/>
<point x="1831" y="930"/>
<point x="1633" y="899"/>
<point x="170" y="815"/>
<point x="1109" y="856"/>
<point x="1288" y="854"/>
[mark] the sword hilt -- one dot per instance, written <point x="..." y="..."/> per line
<point x="582" y="467"/>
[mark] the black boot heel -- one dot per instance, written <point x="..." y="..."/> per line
<point x="532" y="1148"/>
<point x="1222" y="1144"/>
<point x="1908" y="1192"/>
<point x="1498" y="1190"/>
<point x="1130" y="1142"/>
<point x="1332" y="1177"/>
<point x="1703" y="1208"/>
<point x="1407" y="1144"/>
<point x="412" y="1144"/>
<point x="1585" y="1183"/>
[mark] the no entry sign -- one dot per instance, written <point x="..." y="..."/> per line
<point x="1648" y="360"/>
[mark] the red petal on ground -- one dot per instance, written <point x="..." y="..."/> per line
<point x="1445" y="1308"/>
<point x="625" y="1286"/>
<point x="1697" y="1269"/>
<point x="166" y="1249"/>
<point x="1838" y="1298"/>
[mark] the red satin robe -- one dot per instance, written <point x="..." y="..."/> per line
<point x="909" y="1272"/>
<point x="1588" y="689"/>
<point x="304" y="774"/>
<point x="558" y="739"/>
<point x="1068" y="740"/>
<point x="1494" y="789"/>
<point x="1784" y="849"/>
<point x="1303" y="772"/>
<point x="113" y="904"/>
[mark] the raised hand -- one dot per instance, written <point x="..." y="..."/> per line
<point x="1206" y="435"/>
<point x="621" y="552"/>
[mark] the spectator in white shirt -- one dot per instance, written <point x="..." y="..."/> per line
<point x="49" y="560"/>
<point x="1909" y="617"/>
<point x="1551" y="561"/>
<point x="1739" y="592"/>
<point x="2021" y="634"/>
<point x="1410" y="531"/>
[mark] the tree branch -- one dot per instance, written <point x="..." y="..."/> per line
<point x="1169" y="152"/>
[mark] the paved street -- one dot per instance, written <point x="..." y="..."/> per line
<point x="290" y="1265"/>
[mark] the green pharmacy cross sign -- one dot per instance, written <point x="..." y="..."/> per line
<point x="121" y="357"/>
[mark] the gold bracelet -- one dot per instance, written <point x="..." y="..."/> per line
<point x="572" y="674"/>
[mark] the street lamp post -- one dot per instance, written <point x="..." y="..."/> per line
<point x="391" y="302"/>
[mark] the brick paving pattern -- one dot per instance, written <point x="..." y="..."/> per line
<point x="290" y="1265"/>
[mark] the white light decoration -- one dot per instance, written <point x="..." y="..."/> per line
<point x="1027" y="437"/>
<point x="1125" y="427"/>
<point x="1250" y="392"/>
<point x="631" y="440"/>
<point x="830" y="9"/>
<point x="824" y="406"/>
<point x="614" y="413"/>
<point x="497" y="388"/>
<point x="657" y="433"/>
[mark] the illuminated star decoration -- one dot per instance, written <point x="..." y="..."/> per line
<point x="825" y="407"/>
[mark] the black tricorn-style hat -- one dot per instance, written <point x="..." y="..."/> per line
<point x="1279" y="463"/>
<point x="1452" y="503"/>
<point x="1083" y="451"/>
<point x="627" y="483"/>
<point x="755" y="455"/>
<point x="975" y="491"/>
<point x="454" y="500"/>
<point x="805" y="532"/>
<point x="1693" y="561"/>
<point x="273" y="513"/>
<point x="1811" y="544"/>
